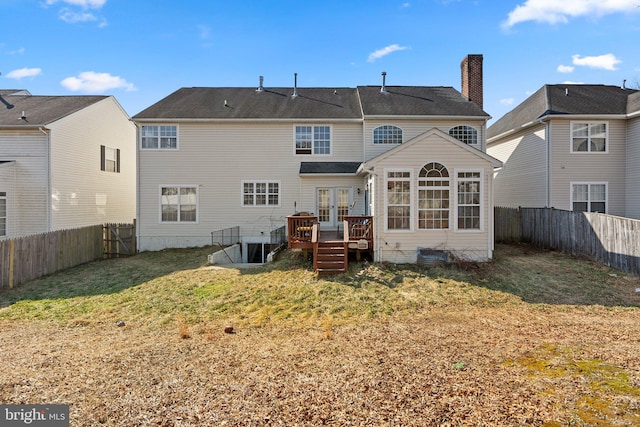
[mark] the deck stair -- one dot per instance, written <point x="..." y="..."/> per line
<point x="330" y="257"/>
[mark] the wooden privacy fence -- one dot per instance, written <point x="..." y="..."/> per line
<point x="27" y="258"/>
<point x="119" y="240"/>
<point x="610" y="240"/>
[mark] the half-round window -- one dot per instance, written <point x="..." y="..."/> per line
<point x="387" y="134"/>
<point x="464" y="133"/>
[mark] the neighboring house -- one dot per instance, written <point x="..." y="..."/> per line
<point x="412" y="158"/>
<point x="570" y="146"/>
<point x="65" y="162"/>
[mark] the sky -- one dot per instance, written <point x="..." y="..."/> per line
<point x="140" y="51"/>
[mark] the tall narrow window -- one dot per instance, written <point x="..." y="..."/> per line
<point x="178" y="204"/>
<point x="387" y="134"/>
<point x="159" y="137"/>
<point x="399" y="200"/>
<point x="589" y="197"/>
<point x="433" y="197"/>
<point x="466" y="134"/>
<point x="589" y="137"/>
<point x="3" y="213"/>
<point x="469" y="200"/>
<point x="314" y="140"/>
<point x="109" y="159"/>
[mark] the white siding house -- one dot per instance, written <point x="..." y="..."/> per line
<point x="571" y="147"/>
<point x="65" y="162"/>
<point x="214" y="158"/>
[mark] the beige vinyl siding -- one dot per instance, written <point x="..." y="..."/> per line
<point x="522" y="181"/>
<point x="413" y="128"/>
<point x="566" y="167"/>
<point x="632" y="202"/>
<point x="82" y="194"/>
<point x="217" y="157"/>
<point x="401" y="246"/>
<point x="26" y="179"/>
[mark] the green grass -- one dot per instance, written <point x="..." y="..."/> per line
<point x="155" y="287"/>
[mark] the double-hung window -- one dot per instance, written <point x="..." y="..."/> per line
<point x="109" y="159"/>
<point x="589" y="137"/>
<point x="163" y="137"/>
<point x="3" y="213"/>
<point x="398" y="195"/>
<point x="313" y="140"/>
<point x="260" y="193"/>
<point x="433" y="197"/>
<point x="589" y="197"/>
<point x="469" y="200"/>
<point x="179" y="204"/>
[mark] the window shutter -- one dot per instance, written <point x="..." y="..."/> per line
<point x="118" y="160"/>
<point x="102" y="158"/>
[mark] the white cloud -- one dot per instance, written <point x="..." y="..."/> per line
<point x="72" y="17"/>
<point x="565" y="69"/>
<point x="85" y="4"/>
<point x="24" y="72"/>
<point x="559" y="12"/>
<point x="507" y="101"/>
<point x="605" y="62"/>
<point x="19" y="51"/>
<point x="385" y="51"/>
<point x="90" y="81"/>
<point x="569" y="82"/>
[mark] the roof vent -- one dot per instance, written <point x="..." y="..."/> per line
<point x="383" y="88"/>
<point x="624" y="84"/>
<point x="295" y="85"/>
<point x="261" y="87"/>
<point x="566" y="91"/>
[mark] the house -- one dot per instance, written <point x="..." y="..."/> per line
<point x="404" y="165"/>
<point x="570" y="146"/>
<point x="65" y="162"/>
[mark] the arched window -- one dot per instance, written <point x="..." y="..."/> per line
<point x="464" y="133"/>
<point x="433" y="197"/>
<point x="387" y="134"/>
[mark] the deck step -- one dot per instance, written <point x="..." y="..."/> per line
<point x="330" y="258"/>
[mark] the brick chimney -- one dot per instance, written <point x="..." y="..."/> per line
<point x="471" y="71"/>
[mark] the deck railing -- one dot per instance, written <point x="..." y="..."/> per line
<point x="299" y="229"/>
<point x="359" y="228"/>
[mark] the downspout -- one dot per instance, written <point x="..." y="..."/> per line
<point x="48" y="209"/>
<point x="138" y="222"/>
<point x="548" y="172"/>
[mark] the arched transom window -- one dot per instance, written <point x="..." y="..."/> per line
<point x="433" y="197"/>
<point x="387" y="134"/>
<point x="464" y="133"/>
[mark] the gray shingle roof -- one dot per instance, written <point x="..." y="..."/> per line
<point x="565" y="99"/>
<point x="416" y="101"/>
<point x="311" y="103"/>
<point x="247" y="103"/>
<point x="40" y="110"/>
<point x="329" y="167"/>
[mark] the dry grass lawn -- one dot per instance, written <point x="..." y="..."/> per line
<point x="534" y="338"/>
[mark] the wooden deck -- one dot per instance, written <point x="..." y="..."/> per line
<point x="330" y="247"/>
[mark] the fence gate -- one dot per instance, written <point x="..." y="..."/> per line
<point x="119" y="240"/>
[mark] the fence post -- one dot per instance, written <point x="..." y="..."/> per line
<point x="12" y="246"/>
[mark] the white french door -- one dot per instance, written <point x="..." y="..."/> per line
<point x="333" y="204"/>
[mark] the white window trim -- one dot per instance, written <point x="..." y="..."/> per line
<point x="590" y="183"/>
<point x="141" y="148"/>
<point x="312" y="141"/>
<point x="161" y="186"/>
<point x="452" y="202"/>
<point x="593" y="122"/>
<point x="265" y="181"/>
<point x="455" y="204"/>
<point x="412" y="206"/>
<point x="373" y="141"/>
<point x="478" y="139"/>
